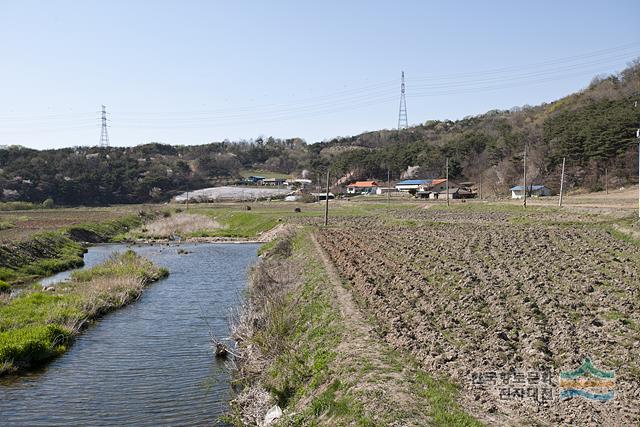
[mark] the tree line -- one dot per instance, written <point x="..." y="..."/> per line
<point x="594" y="129"/>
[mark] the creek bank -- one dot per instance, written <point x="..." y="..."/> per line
<point x="309" y="356"/>
<point x="51" y="252"/>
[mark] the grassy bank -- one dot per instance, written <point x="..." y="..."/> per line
<point x="50" y="252"/>
<point x="303" y="349"/>
<point x="37" y="326"/>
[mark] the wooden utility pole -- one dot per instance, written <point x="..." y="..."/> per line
<point x="447" y="177"/>
<point x="606" y="181"/>
<point x="638" y="138"/>
<point x="525" y="177"/>
<point x="326" y="202"/>
<point x="388" y="187"/>
<point x="561" y="183"/>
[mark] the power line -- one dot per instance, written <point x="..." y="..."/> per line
<point x="363" y="96"/>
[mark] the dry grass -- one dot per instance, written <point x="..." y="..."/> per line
<point x="179" y="224"/>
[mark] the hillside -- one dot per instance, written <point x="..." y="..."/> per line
<point x="594" y="129"/>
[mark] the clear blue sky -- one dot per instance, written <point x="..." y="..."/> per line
<point x="192" y="72"/>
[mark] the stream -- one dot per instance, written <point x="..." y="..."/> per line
<point x="149" y="363"/>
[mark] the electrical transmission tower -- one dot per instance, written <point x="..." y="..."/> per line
<point x="403" y="123"/>
<point x="104" y="135"/>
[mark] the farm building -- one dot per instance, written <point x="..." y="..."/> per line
<point x="456" y="193"/>
<point x="362" y="187"/>
<point x="517" y="192"/>
<point x="255" y="179"/>
<point x="412" y="185"/>
<point x="385" y="190"/>
<point x="274" y="181"/>
<point x="323" y="196"/>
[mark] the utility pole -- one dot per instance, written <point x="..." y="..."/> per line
<point x="104" y="136"/>
<point x="447" y="177"/>
<point x="525" y="177"/>
<point x="561" y="183"/>
<point x="480" y="185"/>
<point x="638" y="138"/>
<point x="403" y="122"/>
<point x="326" y="202"/>
<point x="388" y="187"/>
<point x="606" y="181"/>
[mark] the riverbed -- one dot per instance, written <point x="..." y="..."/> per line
<point x="149" y="363"/>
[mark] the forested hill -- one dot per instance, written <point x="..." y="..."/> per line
<point x="594" y="129"/>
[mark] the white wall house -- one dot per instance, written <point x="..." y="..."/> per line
<point x="517" y="192"/>
<point x="412" y="184"/>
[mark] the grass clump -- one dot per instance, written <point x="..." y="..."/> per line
<point x="441" y="397"/>
<point x="38" y="325"/>
<point x="6" y="225"/>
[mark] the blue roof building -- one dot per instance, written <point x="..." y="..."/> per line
<point x="412" y="184"/>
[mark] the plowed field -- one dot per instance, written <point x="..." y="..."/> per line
<point x="471" y="294"/>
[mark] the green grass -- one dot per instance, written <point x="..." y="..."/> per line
<point x="440" y="396"/>
<point x="238" y="224"/>
<point x="44" y="254"/>
<point x="310" y="338"/>
<point x="4" y="287"/>
<point x="113" y="230"/>
<point x="38" y="325"/>
<point x="18" y="206"/>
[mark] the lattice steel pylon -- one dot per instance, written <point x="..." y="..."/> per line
<point x="104" y="135"/>
<point x="403" y="122"/>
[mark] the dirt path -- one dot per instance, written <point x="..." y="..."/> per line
<point x="383" y="384"/>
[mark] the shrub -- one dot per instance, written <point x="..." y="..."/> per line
<point x="48" y="203"/>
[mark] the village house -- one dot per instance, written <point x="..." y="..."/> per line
<point x="412" y="185"/>
<point x="362" y="187"/>
<point x="457" y="193"/>
<point x="517" y="192"/>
